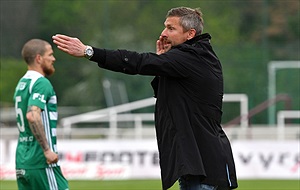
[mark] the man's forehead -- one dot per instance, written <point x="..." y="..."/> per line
<point x="172" y="21"/>
<point x="49" y="48"/>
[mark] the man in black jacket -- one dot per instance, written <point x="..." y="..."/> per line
<point x="188" y="85"/>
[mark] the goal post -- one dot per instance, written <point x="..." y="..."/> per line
<point x="273" y="67"/>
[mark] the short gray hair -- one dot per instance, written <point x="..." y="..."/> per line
<point x="189" y="18"/>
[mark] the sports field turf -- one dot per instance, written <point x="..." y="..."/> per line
<point x="156" y="185"/>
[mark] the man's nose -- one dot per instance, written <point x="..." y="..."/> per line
<point x="164" y="33"/>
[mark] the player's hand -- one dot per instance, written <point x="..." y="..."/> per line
<point x="70" y="45"/>
<point x="162" y="45"/>
<point x="51" y="157"/>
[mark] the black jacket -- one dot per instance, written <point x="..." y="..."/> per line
<point x="189" y="91"/>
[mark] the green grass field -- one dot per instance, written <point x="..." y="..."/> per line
<point x="156" y="185"/>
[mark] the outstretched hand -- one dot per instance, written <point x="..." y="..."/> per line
<point x="69" y="45"/>
<point x="162" y="46"/>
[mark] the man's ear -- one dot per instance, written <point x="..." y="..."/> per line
<point x="191" y="34"/>
<point x="38" y="58"/>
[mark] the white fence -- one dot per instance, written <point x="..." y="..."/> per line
<point x="281" y="116"/>
<point x="107" y="123"/>
<point x="114" y="115"/>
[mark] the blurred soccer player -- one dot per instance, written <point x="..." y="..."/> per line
<point x="188" y="85"/>
<point x="37" y="164"/>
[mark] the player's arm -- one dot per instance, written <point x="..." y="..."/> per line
<point x="35" y="122"/>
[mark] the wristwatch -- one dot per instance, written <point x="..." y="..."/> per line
<point x="88" y="52"/>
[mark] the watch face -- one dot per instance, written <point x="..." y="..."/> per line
<point x="89" y="52"/>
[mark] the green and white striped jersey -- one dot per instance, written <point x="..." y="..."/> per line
<point x="34" y="89"/>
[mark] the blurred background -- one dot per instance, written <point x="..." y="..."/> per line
<point x="247" y="35"/>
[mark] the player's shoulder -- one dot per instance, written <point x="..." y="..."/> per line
<point x="35" y="76"/>
<point x="37" y="80"/>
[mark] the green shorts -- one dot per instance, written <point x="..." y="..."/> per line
<point x="44" y="178"/>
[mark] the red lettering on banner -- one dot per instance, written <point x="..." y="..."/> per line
<point x="75" y="157"/>
<point x="7" y="172"/>
<point x="103" y="172"/>
<point x="296" y="167"/>
<point x="77" y="171"/>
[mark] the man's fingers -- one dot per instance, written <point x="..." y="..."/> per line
<point x="60" y="41"/>
<point x="63" y="49"/>
<point x="53" y="161"/>
<point x="61" y="44"/>
<point x="61" y="36"/>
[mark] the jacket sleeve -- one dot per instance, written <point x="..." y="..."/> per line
<point x="130" y="62"/>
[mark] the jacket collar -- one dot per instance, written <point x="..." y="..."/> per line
<point x="205" y="36"/>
